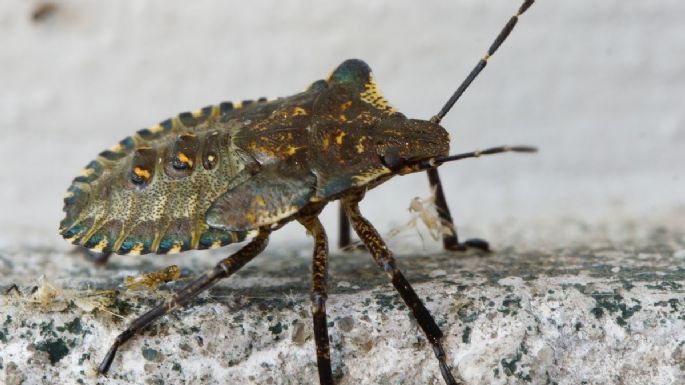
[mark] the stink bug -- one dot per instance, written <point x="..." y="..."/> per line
<point x="225" y="172"/>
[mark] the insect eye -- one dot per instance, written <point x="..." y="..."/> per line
<point x="391" y="159"/>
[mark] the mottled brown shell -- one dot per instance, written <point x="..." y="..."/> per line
<point x="205" y="179"/>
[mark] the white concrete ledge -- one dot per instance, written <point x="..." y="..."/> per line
<point x="600" y="314"/>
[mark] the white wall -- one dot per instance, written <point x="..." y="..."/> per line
<point x="598" y="86"/>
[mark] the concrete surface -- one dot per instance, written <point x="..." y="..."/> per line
<point x="602" y="311"/>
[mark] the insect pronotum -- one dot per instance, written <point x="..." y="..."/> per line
<point x="225" y="172"/>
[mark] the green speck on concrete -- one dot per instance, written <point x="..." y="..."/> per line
<point x="665" y="285"/>
<point x="276" y="329"/>
<point x="158" y="381"/>
<point x="84" y="357"/>
<point x="578" y="326"/>
<point x="510" y="305"/>
<point x="614" y="303"/>
<point x="3" y="335"/>
<point x="74" y="326"/>
<point x="509" y="366"/>
<point x="46" y="329"/>
<point x="386" y="302"/>
<point x="466" y="336"/>
<point x="121" y="307"/>
<point x="56" y="349"/>
<point x="8" y="320"/>
<point x="673" y="303"/>
<point x="80" y="381"/>
<point x="627" y="285"/>
<point x="150" y="354"/>
<point x="176" y="366"/>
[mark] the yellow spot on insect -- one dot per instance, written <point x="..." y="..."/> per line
<point x="141" y="172"/>
<point x="237" y="105"/>
<point x="137" y="249"/>
<point x="346" y="105"/>
<point x="339" y="137"/>
<point x="251" y="217"/>
<point x="342" y="118"/>
<point x="291" y="150"/>
<point x="176" y="248"/>
<point x="184" y="158"/>
<point x="215" y="245"/>
<point x="101" y="245"/>
<point x="299" y="111"/>
<point x="156" y="128"/>
<point x="259" y="200"/>
<point x="116" y="148"/>
<point x="87" y="172"/>
<point x="373" y="96"/>
<point x="69" y="194"/>
<point x="326" y="142"/>
<point x="360" y="146"/>
<point x="369" y="175"/>
<point x="210" y="158"/>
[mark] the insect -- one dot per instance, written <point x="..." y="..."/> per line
<point x="236" y="170"/>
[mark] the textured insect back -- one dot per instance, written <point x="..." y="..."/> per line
<point x="345" y="115"/>
<point x="149" y="192"/>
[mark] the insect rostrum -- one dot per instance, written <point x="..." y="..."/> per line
<point x="225" y="172"/>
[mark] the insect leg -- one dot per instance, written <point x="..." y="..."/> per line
<point x="319" y="296"/>
<point x="344" y="239"/>
<point x="450" y="241"/>
<point x="384" y="259"/>
<point x="223" y="269"/>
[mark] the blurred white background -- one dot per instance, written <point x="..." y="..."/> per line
<point x="599" y="87"/>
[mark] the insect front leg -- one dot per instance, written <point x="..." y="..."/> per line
<point x="319" y="296"/>
<point x="223" y="269"/>
<point x="384" y="259"/>
<point x="450" y="241"/>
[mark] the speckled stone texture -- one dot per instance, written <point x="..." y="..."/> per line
<point x="595" y="311"/>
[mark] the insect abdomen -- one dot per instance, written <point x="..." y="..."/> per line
<point x="150" y="192"/>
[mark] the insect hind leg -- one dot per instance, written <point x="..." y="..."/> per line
<point x="223" y="269"/>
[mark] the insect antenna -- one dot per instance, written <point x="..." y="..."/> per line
<point x="475" y="154"/>
<point x="504" y="33"/>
